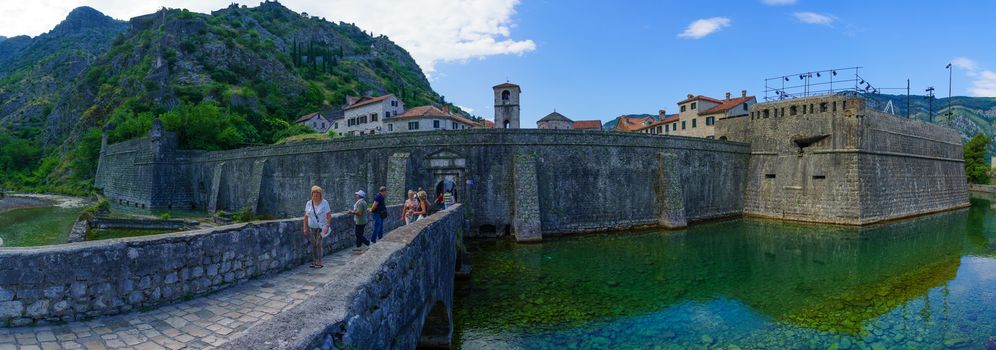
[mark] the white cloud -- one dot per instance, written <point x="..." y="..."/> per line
<point x="984" y="84"/>
<point x="702" y="27"/>
<point x="965" y="63"/>
<point x="466" y="109"/>
<point x="778" y="2"/>
<point x="432" y="31"/>
<point x="815" y="18"/>
<point x="983" y="80"/>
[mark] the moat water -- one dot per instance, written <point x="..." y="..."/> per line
<point x="926" y="283"/>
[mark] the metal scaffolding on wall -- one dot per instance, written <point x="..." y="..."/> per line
<point x="838" y="81"/>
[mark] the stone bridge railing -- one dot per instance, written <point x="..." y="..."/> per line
<point x="397" y="295"/>
<point x="87" y="279"/>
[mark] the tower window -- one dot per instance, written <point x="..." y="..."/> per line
<point x="504" y="95"/>
<point x="506" y="124"/>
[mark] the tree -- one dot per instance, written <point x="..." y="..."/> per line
<point x="976" y="168"/>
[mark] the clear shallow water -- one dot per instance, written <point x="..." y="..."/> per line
<point x="37" y="226"/>
<point x="928" y="283"/>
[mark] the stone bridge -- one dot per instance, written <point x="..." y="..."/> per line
<point x="235" y="287"/>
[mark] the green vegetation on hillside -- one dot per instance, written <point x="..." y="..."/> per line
<point x="239" y="76"/>
<point x="976" y="168"/>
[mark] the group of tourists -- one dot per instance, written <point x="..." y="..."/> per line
<point x="416" y="206"/>
<point x="318" y="220"/>
<point x="318" y="216"/>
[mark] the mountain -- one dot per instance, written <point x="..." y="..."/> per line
<point x="237" y="76"/>
<point x="35" y="73"/>
<point x="969" y="115"/>
<point x="611" y="124"/>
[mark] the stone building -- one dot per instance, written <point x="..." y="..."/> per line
<point x="830" y="159"/>
<point x="665" y="126"/>
<point x="316" y="121"/>
<point x="366" y="115"/>
<point x="507" y="105"/>
<point x="427" y="118"/>
<point x="555" y="120"/>
<point x="729" y="108"/>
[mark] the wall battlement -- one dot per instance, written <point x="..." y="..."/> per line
<point x="831" y="159"/>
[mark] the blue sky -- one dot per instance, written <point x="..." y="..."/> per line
<point x="600" y="59"/>
<point x="597" y="60"/>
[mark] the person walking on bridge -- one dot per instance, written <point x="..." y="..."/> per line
<point x="379" y="211"/>
<point x="317" y="217"/>
<point x="359" y="212"/>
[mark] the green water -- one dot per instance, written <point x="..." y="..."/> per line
<point x="37" y="226"/>
<point x="928" y="283"/>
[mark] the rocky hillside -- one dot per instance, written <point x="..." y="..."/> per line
<point x="35" y="73"/>
<point x="611" y="124"/>
<point x="238" y="76"/>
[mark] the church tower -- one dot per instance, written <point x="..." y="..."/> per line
<point x="507" y="105"/>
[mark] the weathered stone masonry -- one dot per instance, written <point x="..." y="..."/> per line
<point x="397" y="295"/>
<point x="829" y="159"/>
<point x="584" y="181"/>
<point x="88" y="279"/>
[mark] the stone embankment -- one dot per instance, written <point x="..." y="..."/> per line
<point x="982" y="188"/>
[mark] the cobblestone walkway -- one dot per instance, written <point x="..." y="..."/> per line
<point x="201" y="323"/>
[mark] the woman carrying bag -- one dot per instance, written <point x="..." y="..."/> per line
<point x="317" y="224"/>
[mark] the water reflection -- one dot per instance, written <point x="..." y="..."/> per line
<point x="745" y="282"/>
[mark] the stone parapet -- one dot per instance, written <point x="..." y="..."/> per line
<point x="87" y="279"/>
<point x="397" y="295"/>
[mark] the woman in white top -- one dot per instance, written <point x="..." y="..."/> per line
<point x="317" y="215"/>
<point x="410" y="206"/>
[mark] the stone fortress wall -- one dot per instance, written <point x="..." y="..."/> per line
<point x="829" y="159"/>
<point x="822" y="159"/>
<point x="579" y="180"/>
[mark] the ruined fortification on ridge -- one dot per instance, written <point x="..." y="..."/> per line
<point x="821" y="159"/>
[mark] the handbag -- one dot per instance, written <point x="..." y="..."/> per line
<point x="326" y="229"/>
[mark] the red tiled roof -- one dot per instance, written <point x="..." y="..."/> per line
<point x="506" y="85"/>
<point x="588" y="124"/>
<point x="431" y="112"/>
<point x="487" y="123"/>
<point x="727" y="105"/>
<point x="306" y="117"/>
<point x="632" y="124"/>
<point x="667" y="119"/>
<point x="699" y="97"/>
<point x="368" y="100"/>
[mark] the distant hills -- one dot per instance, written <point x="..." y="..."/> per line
<point x="253" y="70"/>
<point x="969" y="115"/>
<point x="611" y="124"/>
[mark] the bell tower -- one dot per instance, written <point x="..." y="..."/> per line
<point x="507" y="105"/>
